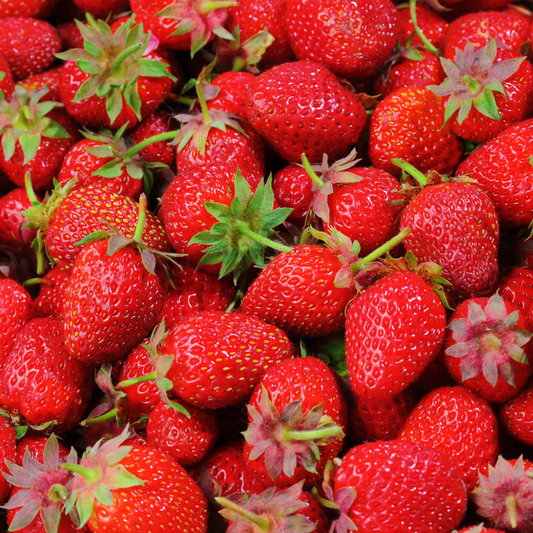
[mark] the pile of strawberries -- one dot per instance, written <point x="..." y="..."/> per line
<point x="266" y="266"/>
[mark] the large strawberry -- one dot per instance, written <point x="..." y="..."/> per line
<point x="353" y="40"/>
<point x="117" y="78"/>
<point x="303" y="107"/>
<point x="515" y="415"/>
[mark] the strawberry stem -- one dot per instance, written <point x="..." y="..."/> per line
<point x="410" y="169"/>
<point x="510" y="503"/>
<point x="203" y="103"/>
<point x="29" y="189"/>
<point x="91" y="476"/>
<point x="243" y="228"/>
<point x="142" y="219"/>
<point x="290" y="434"/>
<point x="312" y="174"/>
<point x="168" y="135"/>
<point x="206" y="7"/>
<point x="262" y="522"/>
<point x="152" y="376"/>
<point x="110" y="415"/>
<point x="117" y="63"/>
<point x="428" y="45"/>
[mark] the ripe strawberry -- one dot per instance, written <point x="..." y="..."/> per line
<point x="133" y="475"/>
<point x="323" y="116"/>
<point x="433" y="26"/>
<point x="408" y="124"/>
<point x="456" y="422"/>
<point x="515" y="415"/>
<point x="65" y="385"/>
<point x="36" y="444"/>
<point x="102" y="8"/>
<point x="352" y="40"/>
<point x="98" y="96"/>
<point x="188" y="439"/>
<point x="393" y="331"/>
<point x="487" y="348"/>
<point x="7" y="84"/>
<point x="501" y="168"/>
<point x="51" y="298"/>
<point x="398" y="486"/>
<point x="296" y="421"/>
<point x="8" y="438"/>
<point x="13" y="234"/>
<point x="480" y="529"/>
<point x="28" y="44"/>
<point x="50" y="78"/>
<point x="516" y="287"/>
<point x="219" y="357"/>
<point x="16" y="310"/>
<point x="232" y="92"/>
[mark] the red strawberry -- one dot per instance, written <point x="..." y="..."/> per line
<point x="487" y="348"/>
<point x="36" y="444"/>
<point x="398" y="486"/>
<point x="98" y="96"/>
<point x="433" y="26"/>
<point x="352" y="40"/>
<point x="29" y="8"/>
<point x="296" y="422"/>
<point x="515" y="415"/>
<point x="516" y="287"/>
<point x="102" y="8"/>
<point x="232" y="92"/>
<point x="7" y="85"/>
<point x="219" y="357"/>
<point x="8" y="438"/>
<point x="50" y="78"/>
<point x="41" y="383"/>
<point x="408" y="124"/>
<point x="13" y="234"/>
<point x="188" y="439"/>
<point x="480" y="529"/>
<point x="28" y="44"/>
<point x="393" y="331"/>
<point x="456" y="422"/>
<point x="323" y="116"/>
<point x="51" y="298"/>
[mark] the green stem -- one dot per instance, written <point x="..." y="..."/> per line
<point x="92" y="476"/>
<point x="110" y="415"/>
<point x="429" y="46"/>
<point x="203" y="103"/>
<point x="29" y="190"/>
<point x="262" y="522"/>
<point x="315" y="434"/>
<point x="167" y="135"/>
<point x="210" y="5"/>
<point x="117" y="63"/>
<point x="243" y="228"/>
<point x="152" y="376"/>
<point x="57" y="493"/>
<point x="238" y="64"/>
<point x="312" y="174"/>
<point x="510" y="503"/>
<point x="142" y="219"/>
<point x="378" y="252"/>
<point x="410" y="169"/>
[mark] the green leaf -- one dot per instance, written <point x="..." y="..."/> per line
<point x="149" y="261"/>
<point x="8" y="145"/>
<point x="93" y="237"/>
<point x="223" y="33"/>
<point x="486" y="105"/>
<point x="131" y="95"/>
<point x="55" y="130"/>
<point x="218" y="210"/>
<point x="45" y="107"/>
<point x="102" y="151"/>
<point x="103" y="494"/>
<point x="231" y="260"/>
<point x="117" y="242"/>
<point x="113" y="169"/>
<point x="29" y="143"/>
<point x="113" y="105"/>
<point x="204" y="237"/>
<point x="89" y="67"/>
<point x="75" y="55"/>
<point x="276" y="217"/>
<point x="87" y="89"/>
<point x="134" y="171"/>
<point x="155" y="69"/>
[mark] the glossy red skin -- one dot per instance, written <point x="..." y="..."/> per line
<point x="501" y="168"/>
<point x="410" y="73"/>
<point x="182" y="206"/>
<point x="516" y="287"/>
<point x="111" y="303"/>
<point x="234" y="87"/>
<point x="51" y="298"/>
<point x="443" y="235"/>
<point x="41" y="382"/>
<point x="35" y="442"/>
<point x="16" y="309"/>
<point x="50" y="78"/>
<point x="459" y="424"/>
<point x="28" y="8"/>
<point x="514" y="106"/>
<point x="44" y="167"/>
<point x="479" y="27"/>
<point x="8" y="440"/>
<point x="515" y="415"/>
<point x="13" y="236"/>
<point x="402" y="487"/>
<point x="303" y="107"/>
<point x="28" y="44"/>
<point x="213" y="351"/>
<point x="433" y="26"/>
<point x="82" y="212"/>
<point x="408" y="124"/>
<point x="91" y="112"/>
<point x="297" y="293"/>
<point x="310" y="380"/>
<point x="7" y="84"/>
<point x="362" y="210"/>
<point x="195" y="291"/>
<point x="393" y="331"/>
<point x="70" y="34"/>
<point x="187" y="440"/>
<point x="353" y="40"/>
<point x="253" y="16"/>
<point x="293" y="188"/>
<point x="176" y="502"/>
<point x="102" y="8"/>
<point x="81" y="164"/>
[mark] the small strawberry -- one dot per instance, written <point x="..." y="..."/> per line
<point x="13" y="234"/>
<point x="51" y="298"/>
<point x="8" y="440"/>
<point x="515" y="415"/>
<point x="516" y="287"/>
<point x="231" y="92"/>
<point x="51" y="78"/>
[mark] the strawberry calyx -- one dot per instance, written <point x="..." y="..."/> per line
<point x="201" y="18"/>
<point x="290" y="437"/>
<point x="472" y="80"/>
<point x="489" y="341"/>
<point x="270" y="511"/>
<point x="98" y="473"/>
<point x="505" y="495"/>
<point x="24" y="119"/>
<point x="44" y="487"/>
<point x="115" y="61"/>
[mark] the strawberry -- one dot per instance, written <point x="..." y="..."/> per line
<point x="16" y="310"/>
<point x="408" y="124"/>
<point x="486" y="91"/>
<point x="432" y="25"/>
<point x="51" y="298"/>
<point x="102" y="8"/>
<point x="132" y="475"/>
<point x="64" y="385"/>
<point x="7" y="84"/>
<point x="28" y="44"/>
<point x="324" y="116"/>
<point x="7" y="452"/>
<point x="515" y="415"/>
<point x="487" y="348"/>
<point x="50" y="78"/>
<point x="394" y="329"/>
<point x="456" y="422"/>
<point x="224" y="371"/>
<point x="36" y="444"/>
<point x="501" y="168"/>
<point x="31" y="8"/>
<point x="98" y="96"/>
<point x="352" y="40"/>
<point x="188" y="439"/>
<point x="398" y="486"/>
<point x="516" y="287"/>
<point x="232" y="92"/>
<point x="13" y="234"/>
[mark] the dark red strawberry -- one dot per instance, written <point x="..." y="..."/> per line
<point x="515" y="415"/>
<point x="8" y="438"/>
<point x="102" y="8"/>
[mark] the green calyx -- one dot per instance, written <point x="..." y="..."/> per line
<point x="24" y="119"/>
<point x="115" y="62"/>
<point x="243" y="230"/>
